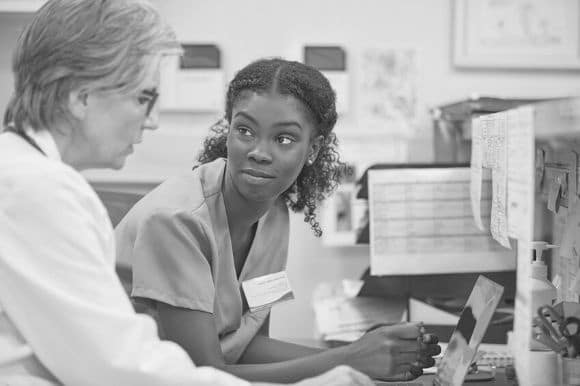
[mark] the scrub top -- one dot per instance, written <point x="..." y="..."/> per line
<point x="178" y="241"/>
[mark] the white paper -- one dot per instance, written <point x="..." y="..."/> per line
<point x="494" y="139"/>
<point x="476" y="172"/>
<point x="353" y="316"/>
<point x="521" y="175"/>
<point x="421" y="222"/>
<point x="264" y="291"/>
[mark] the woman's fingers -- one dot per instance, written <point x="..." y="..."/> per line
<point x="430" y="349"/>
<point x="430" y="339"/>
<point x="409" y="352"/>
<point x="409" y="346"/>
<point x="416" y="371"/>
<point x="387" y="351"/>
<point x="422" y="359"/>
<point x="426" y="362"/>
<point x="404" y="330"/>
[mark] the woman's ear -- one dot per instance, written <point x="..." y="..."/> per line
<point x="315" y="146"/>
<point x="78" y="103"/>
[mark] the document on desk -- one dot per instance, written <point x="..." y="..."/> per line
<point x="421" y="222"/>
<point x="347" y="319"/>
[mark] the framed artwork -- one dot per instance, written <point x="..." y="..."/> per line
<point x="532" y="34"/>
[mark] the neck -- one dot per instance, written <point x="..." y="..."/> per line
<point x="70" y="151"/>
<point x="242" y="213"/>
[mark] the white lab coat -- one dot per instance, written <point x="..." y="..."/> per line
<point x="63" y="312"/>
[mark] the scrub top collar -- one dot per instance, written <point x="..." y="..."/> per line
<point x="213" y="184"/>
<point x="46" y="142"/>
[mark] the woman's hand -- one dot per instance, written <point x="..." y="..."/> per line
<point x="339" y="376"/>
<point x="428" y="349"/>
<point x="393" y="352"/>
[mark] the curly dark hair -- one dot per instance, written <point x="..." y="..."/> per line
<point x="308" y="85"/>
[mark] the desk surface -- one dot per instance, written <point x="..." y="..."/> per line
<point x="427" y="380"/>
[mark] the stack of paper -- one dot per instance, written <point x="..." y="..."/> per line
<point x="346" y="319"/>
<point x="420" y="311"/>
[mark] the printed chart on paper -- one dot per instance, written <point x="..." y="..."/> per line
<point x="421" y="222"/>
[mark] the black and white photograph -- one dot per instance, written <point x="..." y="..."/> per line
<point x="181" y="180"/>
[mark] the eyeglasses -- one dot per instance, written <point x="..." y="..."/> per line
<point x="151" y="96"/>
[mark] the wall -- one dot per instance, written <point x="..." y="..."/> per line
<point x="255" y="28"/>
<point x="10" y="25"/>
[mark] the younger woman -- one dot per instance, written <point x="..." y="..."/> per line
<point x="196" y="238"/>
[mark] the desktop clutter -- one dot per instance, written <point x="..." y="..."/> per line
<point x="427" y="225"/>
<point x="520" y="185"/>
<point x="348" y="309"/>
<point x="555" y="343"/>
<point x="533" y="149"/>
<point x="555" y="340"/>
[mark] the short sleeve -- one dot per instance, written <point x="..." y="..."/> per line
<point x="171" y="261"/>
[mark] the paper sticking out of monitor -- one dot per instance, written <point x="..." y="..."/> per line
<point x="468" y="333"/>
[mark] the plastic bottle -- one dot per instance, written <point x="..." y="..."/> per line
<point x="543" y="291"/>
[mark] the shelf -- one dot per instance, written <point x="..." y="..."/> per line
<point x="465" y="110"/>
<point x="557" y="119"/>
<point x="20" y="5"/>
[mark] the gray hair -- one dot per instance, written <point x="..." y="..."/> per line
<point x="105" y="45"/>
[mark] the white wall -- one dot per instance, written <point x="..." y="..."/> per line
<point x="246" y="30"/>
<point x="10" y="25"/>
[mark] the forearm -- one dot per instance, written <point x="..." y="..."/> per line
<point x="290" y="370"/>
<point x="264" y="349"/>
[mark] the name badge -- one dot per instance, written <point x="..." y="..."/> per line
<point x="264" y="291"/>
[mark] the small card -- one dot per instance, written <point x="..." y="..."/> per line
<point x="264" y="291"/>
<point x="554" y="196"/>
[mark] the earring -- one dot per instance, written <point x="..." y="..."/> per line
<point x="310" y="162"/>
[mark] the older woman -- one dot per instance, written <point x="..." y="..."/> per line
<point x="86" y="78"/>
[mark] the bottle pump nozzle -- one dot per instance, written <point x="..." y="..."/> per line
<point x="539" y="268"/>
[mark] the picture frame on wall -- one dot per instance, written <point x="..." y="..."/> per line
<point x="522" y="34"/>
